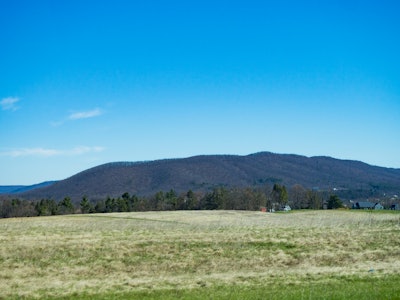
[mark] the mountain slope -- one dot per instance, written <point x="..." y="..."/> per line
<point x="14" y="189"/>
<point x="200" y="173"/>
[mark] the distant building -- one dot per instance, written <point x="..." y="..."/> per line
<point x="367" y="205"/>
<point x="395" y="207"/>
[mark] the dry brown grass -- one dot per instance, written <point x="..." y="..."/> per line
<point x="63" y="255"/>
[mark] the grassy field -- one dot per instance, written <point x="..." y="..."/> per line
<point x="202" y="255"/>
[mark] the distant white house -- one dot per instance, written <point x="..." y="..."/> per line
<point x="367" y="205"/>
<point x="286" y="208"/>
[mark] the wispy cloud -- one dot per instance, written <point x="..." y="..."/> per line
<point x="83" y="150"/>
<point x="79" y="116"/>
<point x="85" y="114"/>
<point x="9" y="103"/>
<point x="48" y="152"/>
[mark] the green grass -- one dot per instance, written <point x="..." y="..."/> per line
<point x="202" y="255"/>
<point x="339" y="287"/>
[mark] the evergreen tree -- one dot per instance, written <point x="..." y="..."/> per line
<point x="122" y="204"/>
<point x="100" y="207"/>
<point x="190" y="200"/>
<point x="65" y="206"/>
<point x="158" y="201"/>
<point x="216" y="200"/>
<point x="133" y="204"/>
<point x="109" y="206"/>
<point x="46" y="207"/>
<point x="86" y="206"/>
<point x="334" y="202"/>
<point x="279" y="194"/>
<point x="171" y="200"/>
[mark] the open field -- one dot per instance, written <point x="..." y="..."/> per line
<point x="202" y="254"/>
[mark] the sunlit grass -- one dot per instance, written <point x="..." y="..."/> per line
<point x="190" y="254"/>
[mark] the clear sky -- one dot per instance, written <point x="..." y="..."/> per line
<point x="88" y="82"/>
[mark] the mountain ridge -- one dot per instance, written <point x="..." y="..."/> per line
<point x="203" y="172"/>
<point x="15" y="189"/>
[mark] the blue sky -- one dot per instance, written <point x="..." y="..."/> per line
<point x="88" y="82"/>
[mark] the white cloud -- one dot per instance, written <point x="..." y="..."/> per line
<point x="83" y="150"/>
<point x="78" y="116"/>
<point x="85" y="114"/>
<point x="9" y="103"/>
<point x="48" y="152"/>
<point x="31" y="152"/>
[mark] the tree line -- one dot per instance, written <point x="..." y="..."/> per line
<point x="250" y="198"/>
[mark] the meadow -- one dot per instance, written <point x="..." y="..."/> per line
<point x="202" y="255"/>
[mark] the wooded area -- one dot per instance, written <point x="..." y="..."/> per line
<point x="271" y="197"/>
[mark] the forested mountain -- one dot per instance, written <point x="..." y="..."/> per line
<point x="15" y="189"/>
<point x="351" y="179"/>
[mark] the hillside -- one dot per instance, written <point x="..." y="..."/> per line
<point x="201" y="173"/>
<point x="15" y="189"/>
